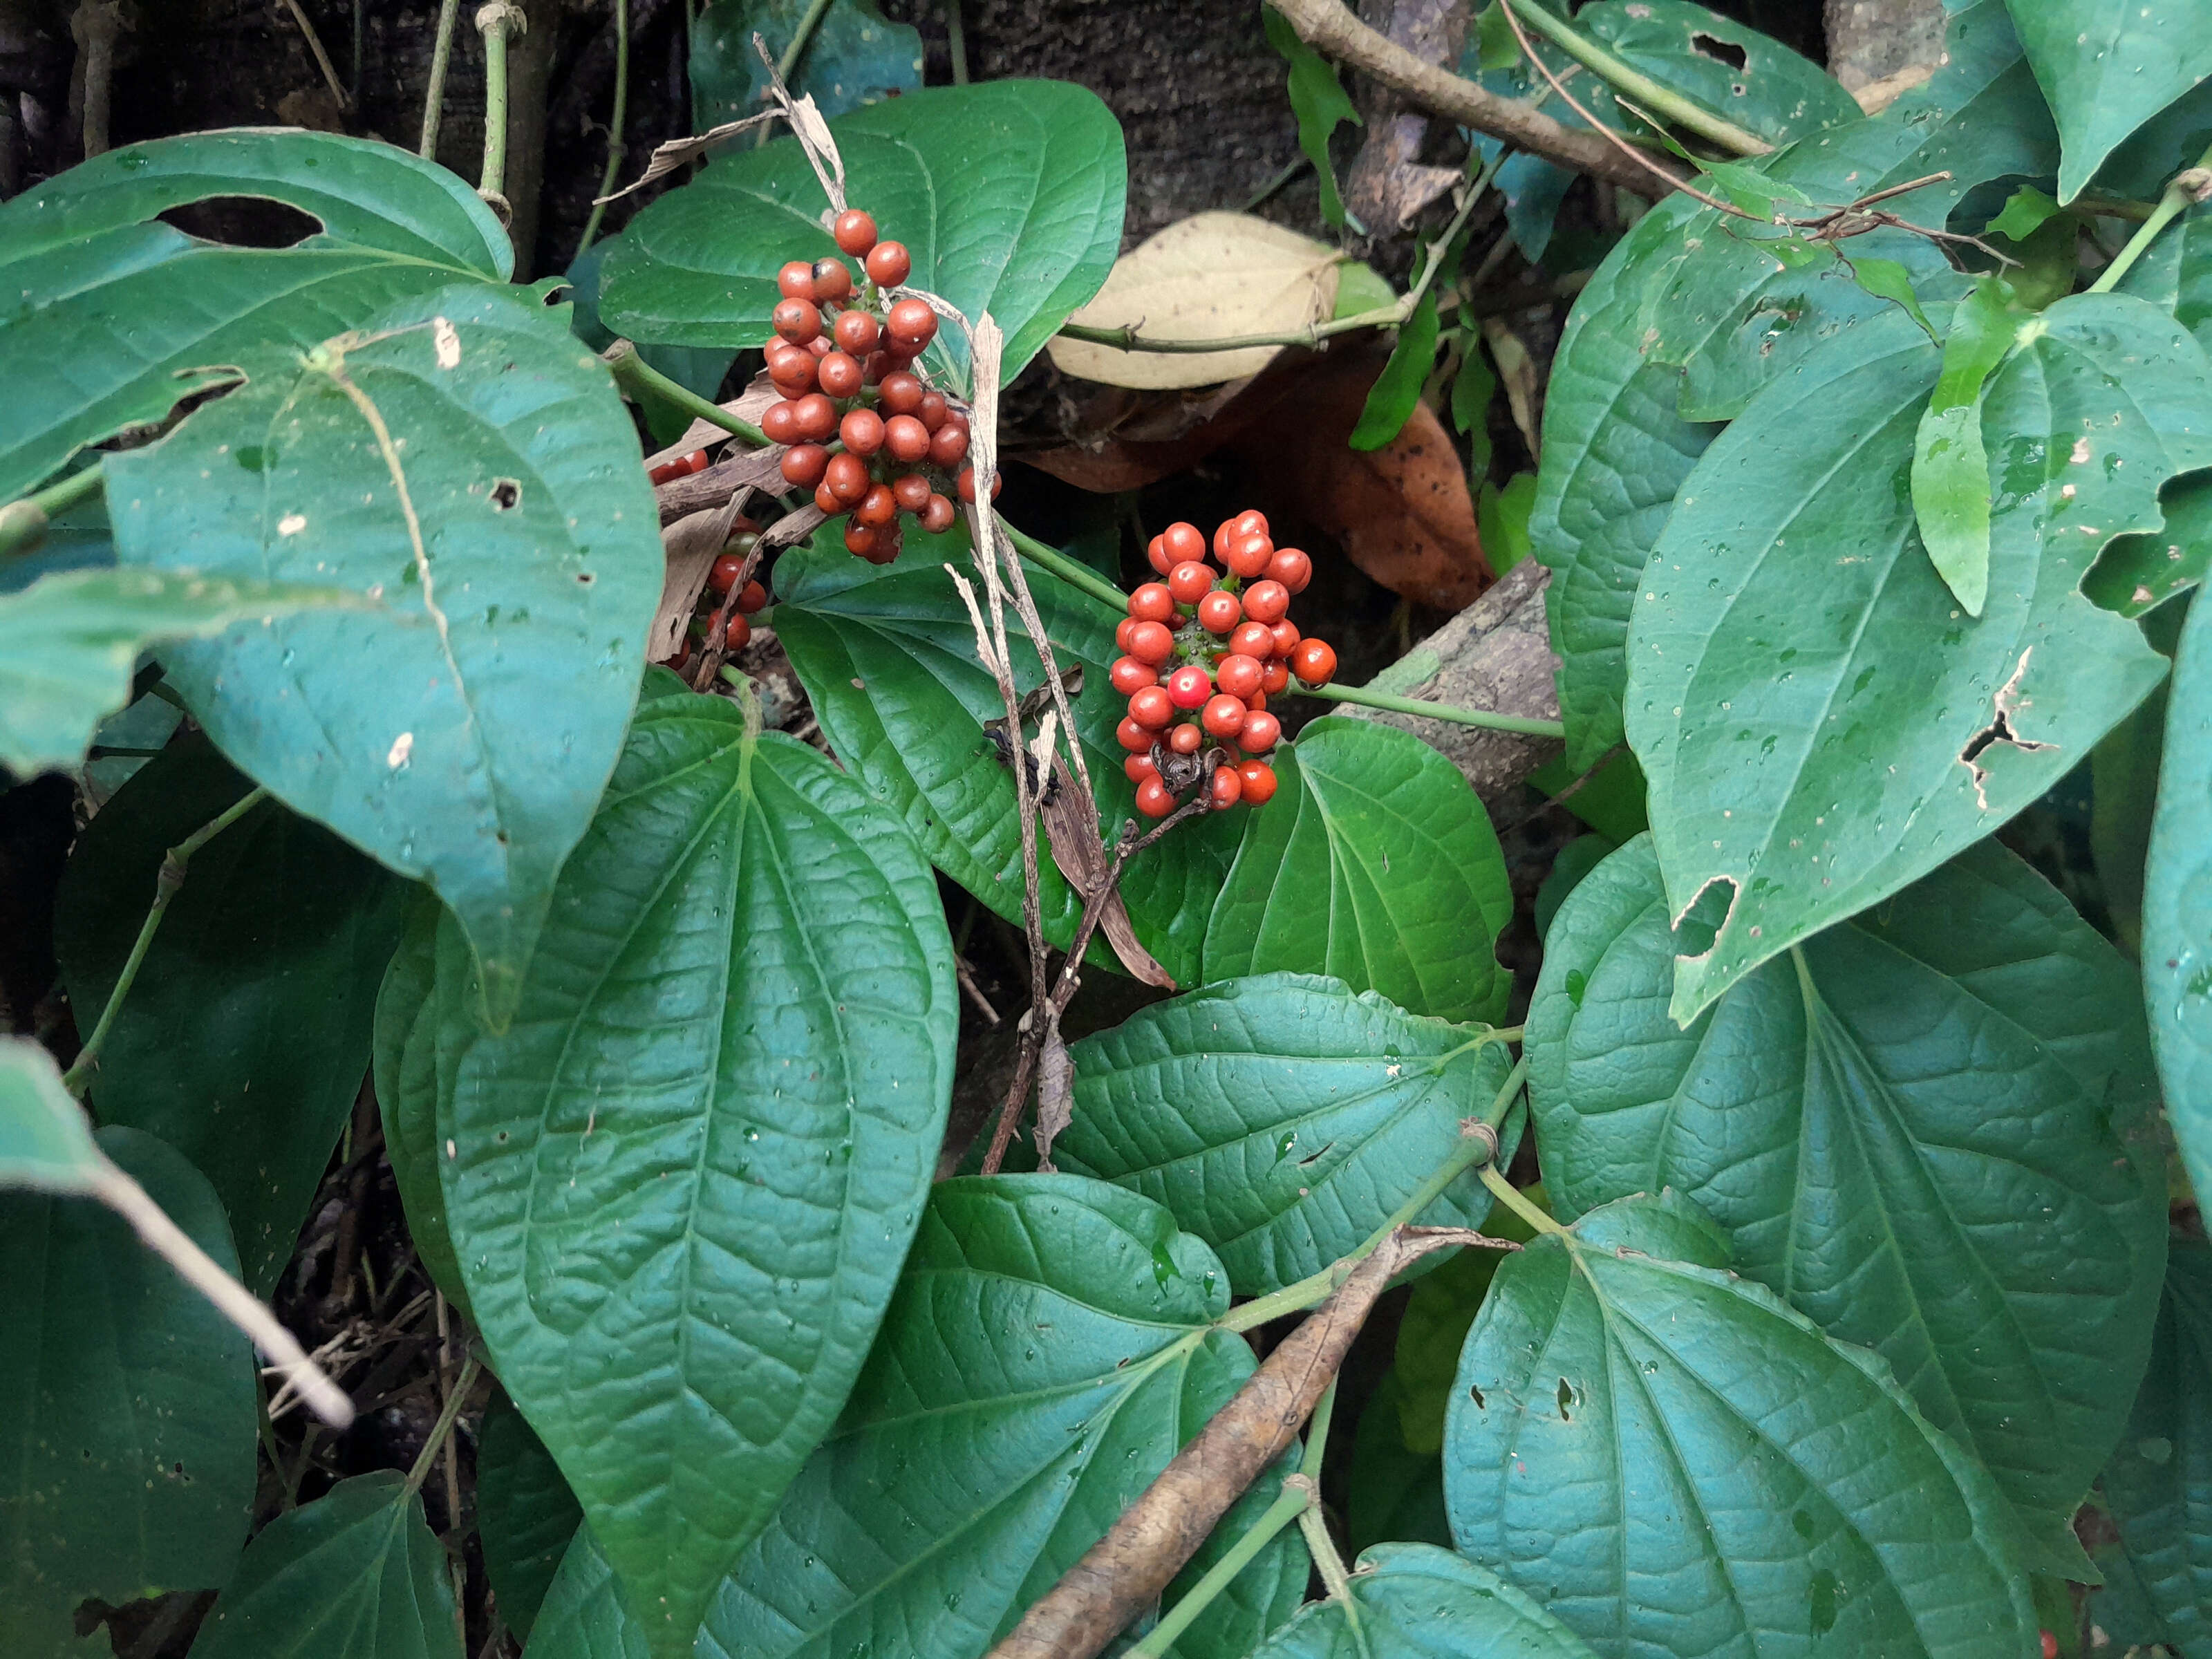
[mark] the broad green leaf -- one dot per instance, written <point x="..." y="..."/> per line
<point x="117" y="316"/>
<point x="2136" y="575"/>
<point x="583" y="1615"/>
<point x="1928" y="1130"/>
<point x="853" y="57"/>
<point x="1049" y="1347"/>
<point x="2122" y="802"/>
<point x="1320" y="103"/>
<point x="46" y="1141"/>
<point x="1677" y="1463"/>
<point x="1792" y="641"/>
<point x="681" y="1183"/>
<point x="69" y="640"/>
<point x="2177" y="929"/>
<point x="1718" y="63"/>
<point x="2108" y="66"/>
<point x="888" y="658"/>
<point x="2157" y="1487"/>
<point x="460" y="733"/>
<point x="1397" y="389"/>
<point x="525" y="1514"/>
<point x="405" y="1057"/>
<point x="243" y="1038"/>
<point x="1433" y="1328"/>
<point x="357" y="1574"/>
<point x="1374" y="864"/>
<point x="128" y="1403"/>
<point x="1008" y="194"/>
<point x="1282" y="1119"/>
<point x="1950" y="466"/>
<point x="1417" y="1601"/>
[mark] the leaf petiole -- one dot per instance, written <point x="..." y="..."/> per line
<point x="2171" y="204"/>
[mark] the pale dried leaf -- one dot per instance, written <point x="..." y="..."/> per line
<point x="1055" y="1094"/>
<point x="1070" y="827"/>
<point x="677" y="152"/>
<point x="1516" y="371"/>
<point x="691" y="545"/>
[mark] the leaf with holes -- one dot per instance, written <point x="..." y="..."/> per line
<point x="129" y="1442"/>
<point x="1929" y="1130"/>
<point x="118" y="313"/>
<point x="852" y="57"/>
<point x="469" y="465"/>
<point x="888" y="658"/>
<point x="2176" y="911"/>
<point x="245" y="1033"/>
<point x="1676" y="1462"/>
<point x="526" y="1516"/>
<point x="1819" y="722"/>
<point x="1375" y="865"/>
<point x="1417" y="1601"/>
<point x="1282" y="1119"/>
<point x="2108" y="66"/>
<point x="1007" y="193"/>
<point x="681" y="1183"/>
<point x="1718" y="63"/>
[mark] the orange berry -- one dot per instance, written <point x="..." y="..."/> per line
<point x="1155" y="555"/>
<point x="1314" y="662"/>
<point x="889" y="264"/>
<point x="1186" y="739"/>
<point x="1291" y="567"/>
<point x="1190" y="582"/>
<point x="1238" y="675"/>
<point x="1152" y="707"/>
<point x="1137" y="740"/>
<point x="1266" y="601"/>
<point x="1153" y="800"/>
<point x="1153" y="602"/>
<point x="1227" y="787"/>
<point x="1219" y="612"/>
<point x="906" y="438"/>
<point x="1259" y="733"/>
<point x="797" y="320"/>
<point x="1183" y="541"/>
<point x="862" y="431"/>
<point x="878" y="507"/>
<point x="937" y="516"/>
<point x="1224" y="717"/>
<point x="1128" y="675"/>
<point x="856" y="331"/>
<point x="1138" y="768"/>
<point x="796" y="281"/>
<point x="847" y="478"/>
<point x="900" y="393"/>
<point x="1149" y="641"/>
<point x="1248" y="556"/>
<point x="911" y="323"/>
<point x="1259" y="781"/>
<point x="909" y="489"/>
<point x="854" y="232"/>
<point x="833" y="281"/>
<point x="802" y="465"/>
<point x="1274" y="676"/>
<point x="838" y="374"/>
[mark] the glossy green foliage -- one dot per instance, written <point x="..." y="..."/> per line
<point x="69" y="640"/>
<point x="1417" y="1601"/>
<point x="681" y="1183"/>
<point x="2108" y="66"/>
<point x="1675" y="1462"/>
<point x="45" y="1142"/>
<point x="2157" y="1487"/>
<point x="852" y="57"/>
<point x="1282" y="1119"/>
<point x="1950" y="463"/>
<point x="1718" y="63"/>
<point x="1007" y="193"/>
<point x="1433" y="1330"/>
<point x="469" y="467"/>
<point x="127" y="1402"/>
<point x="1928" y="1129"/>
<point x="405" y="1059"/>
<point x="525" y="1514"/>
<point x="1374" y="864"/>
<point x="2177" y="934"/>
<point x="1397" y="389"/>
<point x="888" y="658"/>
<point x="357" y="1574"/>
<point x="245" y="1034"/>
<point x="2175" y="272"/>
<point x="1321" y="104"/>
<point x="1820" y="721"/>
<point x="2136" y="575"/>
<point x="116" y="314"/>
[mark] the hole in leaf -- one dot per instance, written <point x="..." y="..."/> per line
<point x="1721" y="52"/>
<point x="506" y="495"/>
<point x="1307" y="1163"/>
<point x="1698" y="927"/>
<point x="1999" y="730"/>
<point x="1475" y="1393"/>
<point x="243" y="222"/>
<point x="1566" y="1399"/>
<point x="584" y="578"/>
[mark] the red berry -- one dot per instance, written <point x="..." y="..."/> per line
<point x="737" y="635"/>
<point x="833" y="281"/>
<point x="967" y="480"/>
<point x="827" y="503"/>
<point x="1312" y="662"/>
<point x="723" y="575"/>
<point x="820" y="346"/>
<point x="933" y="411"/>
<point x="854" y="232"/>
<point x="1256" y="701"/>
<point x="878" y="507"/>
<point x="1153" y="602"/>
<point x="847" y="478"/>
<point x="803" y="466"/>
<point x="780" y="423"/>
<point x="888" y="263"/>
<point x="856" y="331"/>
<point x="1152" y="707"/>
<point x="1138" y="768"/>
<point x="888" y="543"/>
<point x="1248" y="556"/>
<point x="1122" y="632"/>
<point x="909" y="489"/>
<point x="1259" y="781"/>
<point x="1253" y="640"/>
<point x="861" y="538"/>
<point x="796" y="281"/>
<point x="1189" y="686"/>
<point x="1291" y="567"/>
<point x="937" y="517"/>
<point x="682" y="467"/>
<point x="1149" y="641"/>
<point x="1186" y="739"/>
<point x="818" y="418"/>
<point x="1266" y="601"/>
<point x="751" y="597"/>
<point x="948" y="445"/>
<point x="1227" y="787"/>
<point x="1224" y="716"/>
<point x="1275" y="674"/>
<point x="1132" y="737"/>
<point x="1153" y="800"/>
<point x="1261" y="732"/>
<point x="2049" y="1646"/>
<point x="682" y="658"/>
<point x="906" y="438"/>
<point x="839" y="374"/>
<point x="1222" y="532"/>
<point x="911" y="323"/>
<point x="1285" y="636"/>
<point x="1250" y="522"/>
<point x="1183" y="541"/>
<point x="1155" y="555"/>
<point x="862" y="431"/>
<point x="1219" y="612"/>
<point x="797" y="320"/>
<point x="902" y="393"/>
<point x="1190" y="582"/>
<point x="1128" y="675"/>
<point x="1237" y="674"/>
<point x="792" y="374"/>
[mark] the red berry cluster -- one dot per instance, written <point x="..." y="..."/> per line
<point x="737" y="632"/>
<point x="866" y="434"/>
<point x="1204" y="652"/>
<point x="682" y="467"/>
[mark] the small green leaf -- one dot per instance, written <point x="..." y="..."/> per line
<point x="1496" y="45"/>
<point x="1397" y="389"/>
<point x="1393" y="1494"/>
<point x="1361" y="289"/>
<point x="127" y="1400"/>
<point x="2024" y="211"/>
<point x="1375" y="864"/>
<point x="525" y="1514"/>
<point x="357" y="1574"/>
<point x="1950" y="467"/>
<point x="2177" y="934"/>
<point x="1320" y="103"/>
<point x="853" y="57"/>
<point x="68" y="643"/>
<point x="1503" y="517"/>
<point x="2108" y="66"/>
<point x="1885" y="279"/>
<point x="1417" y="1601"/>
<point x="1473" y="388"/>
<point x="45" y="1142"/>
<point x="1281" y="1119"/>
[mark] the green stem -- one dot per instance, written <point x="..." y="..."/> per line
<point x="1489" y="720"/>
<point x="1518" y="1201"/>
<point x="617" y="149"/>
<point x="955" y="37"/>
<point x="24" y="523"/>
<point x="170" y="878"/>
<point x="637" y="377"/>
<point x="494" y="21"/>
<point x="797" y="49"/>
<point x="434" y="98"/>
<point x="444" y="1425"/>
<point x="2171" y="206"/>
<point x="1645" y="90"/>
<point x="1076" y="574"/>
<point x="1178" y="1619"/>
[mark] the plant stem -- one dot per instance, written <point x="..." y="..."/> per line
<point x="455" y="1400"/>
<point x="797" y="49"/>
<point x="24" y="523"/>
<point x="433" y="97"/>
<point x="1076" y="574"/>
<point x="166" y="883"/>
<point x="1518" y="1201"/>
<point x="637" y="377"/>
<point x="1488" y="718"/>
<point x="1296" y="1500"/>
<point x="617" y="149"/>
<point x="493" y="22"/>
<point x="1645" y="90"/>
<point x="956" y="38"/>
<point x="2171" y="206"/>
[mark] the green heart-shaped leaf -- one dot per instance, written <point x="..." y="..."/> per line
<point x="2108" y="66"/>
<point x="1417" y="1601"/>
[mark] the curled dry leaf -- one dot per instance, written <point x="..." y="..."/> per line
<point x="691" y="544"/>
<point x="1209" y="276"/>
<point x="1070" y="827"/>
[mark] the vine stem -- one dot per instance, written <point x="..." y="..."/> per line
<point x="24" y="523"/>
<point x="166" y="883"/>
<point x="455" y="1400"/>
<point x="636" y="376"/>
<point x="616" y="148"/>
<point x="2179" y="193"/>
<point x="1073" y="572"/>
<point x="956" y="40"/>
<point x="493" y="22"/>
<point x="1646" y="91"/>
<point x="1518" y="1201"/>
<point x="1489" y="720"/>
<point x="433" y="96"/>
<point x="797" y="49"/>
